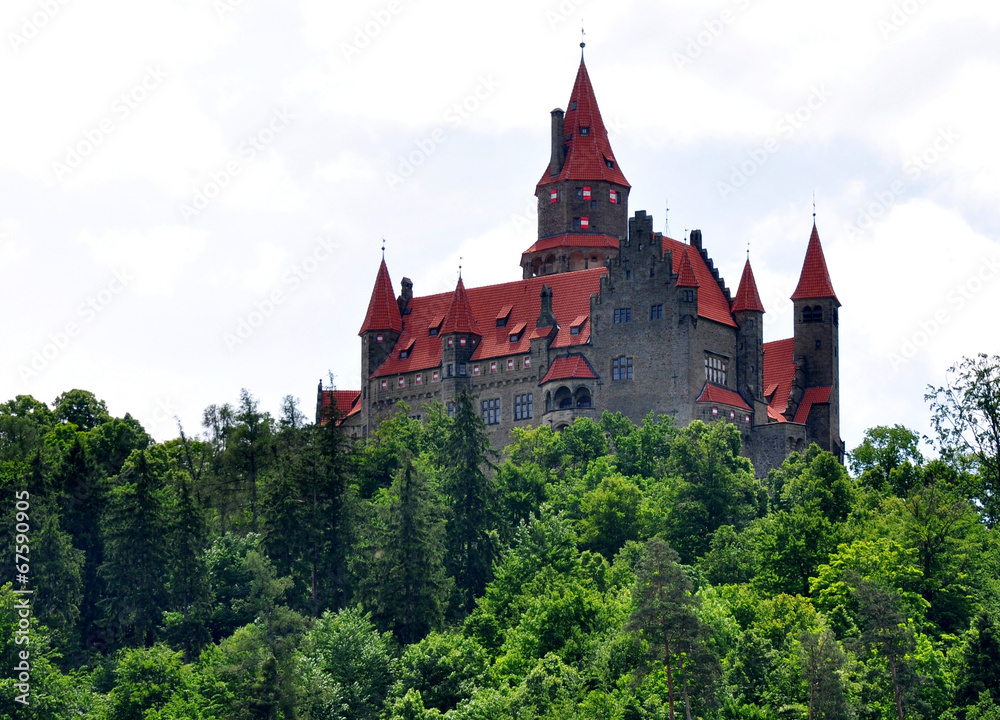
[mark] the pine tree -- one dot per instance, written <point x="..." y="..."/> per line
<point x="190" y="594"/>
<point x="405" y="582"/>
<point x="822" y="662"/>
<point x="471" y="530"/>
<point x="135" y="540"/>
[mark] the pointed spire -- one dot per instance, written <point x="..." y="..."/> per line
<point x="383" y="311"/>
<point x="460" y="318"/>
<point x="685" y="275"/>
<point x="747" y="297"/>
<point x="814" y="280"/>
<point x="588" y="157"/>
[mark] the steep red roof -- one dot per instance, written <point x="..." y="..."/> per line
<point x="588" y="156"/>
<point x="715" y="394"/>
<point x="814" y="280"/>
<point x="747" y="297"/>
<point x="460" y="318"/>
<point x="712" y="302"/>
<point x="685" y="276"/>
<point x="811" y="396"/>
<point x="570" y="299"/>
<point x="570" y="367"/>
<point x="574" y="240"/>
<point x="383" y="312"/>
<point x="779" y="374"/>
<point x="346" y="402"/>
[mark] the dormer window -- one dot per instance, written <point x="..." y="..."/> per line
<point x="406" y="350"/>
<point x="584" y="131"/>
<point x="572" y="105"/>
<point x="611" y="165"/>
<point x="434" y="329"/>
<point x="518" y="332"/>
<point x="504" y="315"/>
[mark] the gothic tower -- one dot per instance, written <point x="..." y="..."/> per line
<point x="748" y="311"/>
<point x="460" y="335"/>
<point x="582" y="195"/>
<point x="379" y="333"/>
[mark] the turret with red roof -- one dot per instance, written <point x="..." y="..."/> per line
<point x="749" y="313"/>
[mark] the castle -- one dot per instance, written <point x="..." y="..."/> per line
<point x="608" y="315"/>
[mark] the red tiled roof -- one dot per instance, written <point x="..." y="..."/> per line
<point x="569" y="367"/>
<point x="814" y="280"/>
<point x="570" y="299"/>
<point x="779" y="373"/>
<point x="685" y="276"/>
<point x="460" y="318"/>
<point x="811" y="396"/>
<point x="383" y="312"/>
<point x="747" y="297"/>
<point x="712" y="302"/>
<point x="588" y="155"/>
<point x="582" y="240"/>
<point x="715" y="394"/>
<point x="346" y="402"/>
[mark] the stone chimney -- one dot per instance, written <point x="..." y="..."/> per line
<point x="545" y="316"/>
<point x="556" y="160"/>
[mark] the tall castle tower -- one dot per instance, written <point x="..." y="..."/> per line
<point x="582" y="195"/>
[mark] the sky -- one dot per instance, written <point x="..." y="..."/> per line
<point x="194" y="193"/>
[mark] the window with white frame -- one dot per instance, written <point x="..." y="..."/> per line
<point x="491" y="411"/>
<point x="716" y="369"/>
<point x="523" y="405"/>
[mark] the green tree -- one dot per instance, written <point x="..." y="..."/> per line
<point x="610" y="515"/>
<point x="81" y="408"/>
<point x="979" y="659"/>
<point x="965" y="413"/>
<point x="250" y="447"/>
<point x="404" y="581"/>
<point x="144" y="680"/>
<point x="823" y="662"/>
<point x="188" y="583"/>
<point x="24" y="422"/>
<point x="134" y="570"/>
<point x="471" y="531"/>
<point x="445" y="668"/>
<point x="887" y="459"/>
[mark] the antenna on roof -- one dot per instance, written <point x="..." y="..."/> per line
<point x="383" y="248"/>
<point x="583" y="44"/>
<point x="814" y="207"/>
<point x="460" y="258"/>
<point x="666" y="219"/>
<point x="685" y="236"/>
<point x="748" y="251"/>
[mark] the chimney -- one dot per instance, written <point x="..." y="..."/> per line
<point x="545" y="316"/>
<point x="405" y="294"/>
<point x="556" y="161"/>
<point x="696" y="239"/>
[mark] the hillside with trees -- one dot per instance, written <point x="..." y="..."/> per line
<point x="268" y="568"/>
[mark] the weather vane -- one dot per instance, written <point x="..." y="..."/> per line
<point x="460" y="259"/>
<point x="383" y="248"/>
<point x="583" y="43"/>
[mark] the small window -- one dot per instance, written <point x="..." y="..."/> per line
<point x="527" y="361"/>
<point x="656" y="312"/>
<point x="493" y="367"/>
<point x="584" y="131"/>
<point x="554" y="196"/>
<point x="623" y="315"/>
<point x="461" y="341"/>
<point x="418" y="380"/>
<point x="652" y="272"/>
<point x="689" y="296"/>
<point x="385" y="384"/>
<point x="436" y="376"/>
<point x="572" y="105"/>
<point x="463" y="369"/>
<point x="575" y="330"/>
<point x="378" y="338"/>
<point x="584" y="223"/>
<point x="715" y="412"/>
<point x="450" y="370"/>
<point x="579" y="194"/>
<point x="812" y="314"/>
<point x="523" y="406"/>
<point x="501" y="322"/>
<point x="510" y="363"/>
<point x="475" y="369"/>
<point x="716" y="370"/>
<point x="402" y="381"/>
<point x="516" y="337"/>
<point x="611" y="165"/>
<point x="586" y="194"/>
<point x="451" y="342"/>
<point x="628" y="274"/>
<point x="613" y="197"/>
<point x="451" y="409"/>
<point x="621" y="368"/>
<point x="403" y="354"/>
<point x="491" y="411"/>
<point x="433" y="332"/>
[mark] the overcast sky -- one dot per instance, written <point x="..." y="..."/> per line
<point x="172" y="172"/>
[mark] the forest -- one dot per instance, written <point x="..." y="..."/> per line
<point x="270" y="568"/>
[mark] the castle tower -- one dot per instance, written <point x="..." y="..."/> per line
<point x="460" y="336"/>
<point x="582" y="195"/>
<point x="749" y="313"/>
<point x="817" y="350"/>
<point x="379" y="333"/>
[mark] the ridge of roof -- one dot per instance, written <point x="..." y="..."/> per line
<point x="383" y="312"/>
<point x="814" y="280"/>
<point x="588" y="157"/>
<point x="747" y="298"/>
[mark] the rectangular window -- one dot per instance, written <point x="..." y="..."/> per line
<point x="586" y="193"/>
<point x="436" y="377"/>
<point x="419" y="379"/>
<point x="378" y="338"/>
<point x="716" y="370"/>
<point x="527" y="361"/>
<point x="461" y="341"/>
<point x="451" y="409"/>
<point x="493" y="367"/>
<point x="475" y="369"/>
<point x="491" y="411"/>
<point x="451" y="370"/>
<point x="385" y="384"/>
<point x="554" y="196"/>
<point x="621" y="368"/>
<point x="623" y="315"/>
<point x="689" y="296"/>
<point x="575" y="330"/>
<point x="579" y="194"/>
<point x="463" y="370"/>
<point x="433" y="332"/>
<point x="402" y="381"/>
<point x="614" y="197"/>
<point x="510" y="363"/>
<point x="584" y="131"/>
<point x="584" y="223"/>
<point x="451" y="342"/>
<point x="656" y="312"/>
<point x="523" y="405"/>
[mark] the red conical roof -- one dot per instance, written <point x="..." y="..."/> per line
<point x="588" y="156"/>
<point x="383" y="312"/>
<point x="685" y="275"/>
<point x="747" y="297"/>
<point x="814" y="281"/>
<point x="460" y="318"/>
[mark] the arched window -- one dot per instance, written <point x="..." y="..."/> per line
<point x="564" y="398"/>
<point x="812" y="314"/>
<point x="583" y="399"/>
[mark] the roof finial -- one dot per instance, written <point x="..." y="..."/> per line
<point x="383" y="248"/>
<point x="814" y="207"/>
<point x="748" y="251"/>
<point x="460" y="258"/>
<point x="666" y="218"/>
<point x="583" y="44"/>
